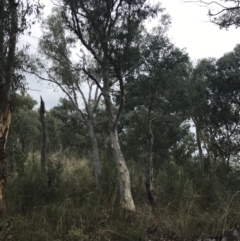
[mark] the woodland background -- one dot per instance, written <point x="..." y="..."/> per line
<point x="144" y="146"/>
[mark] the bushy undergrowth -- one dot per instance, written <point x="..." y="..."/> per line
<point x="62" y="204"/>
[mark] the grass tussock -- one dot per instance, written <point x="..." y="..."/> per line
<point x="63" y="205"/>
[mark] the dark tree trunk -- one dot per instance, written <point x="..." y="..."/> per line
<point x="149" y="164"/>
<point x="200" y="152"/>
<point x="43" y="139"/>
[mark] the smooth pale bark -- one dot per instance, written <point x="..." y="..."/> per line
<point x="43" y="139"/>
<point x="95" y="153"/>
<point x="126" y="199"/>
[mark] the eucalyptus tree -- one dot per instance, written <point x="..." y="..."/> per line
<point x="149" y="90"/>
<point x="191" y="99"/>
<point x="212" y="102"/>
<point x="109" y="31"/>
<point x="55" y="64"/>
<point x="221" y="124"/>
<point x="13" y="22"/>
<point x="197" y="99"/>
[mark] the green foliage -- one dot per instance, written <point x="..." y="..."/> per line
<point x="162" y="89"/>
<point x="25" y="102"/>
<point x="188" y="205"/>
<point x="25" y="130"/>
<point x="217" y="82"/>
<point x="34" y="188"/>
<point x="71" y="130"/>
<point x="16" y="159"/>
<point x="116" y="37"/>
<point x="150" y="99"/>
<point x="24" y="134"/>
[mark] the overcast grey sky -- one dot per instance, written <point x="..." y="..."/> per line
<point x="190" y="29"/>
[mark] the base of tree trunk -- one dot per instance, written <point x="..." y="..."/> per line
<point x="126" y="199"/>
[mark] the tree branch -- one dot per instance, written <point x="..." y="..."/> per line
<point x="84" y="99"/>
<point x="76" y="28"/>
<point x="92" y="78"/>
<point x="52" y="80"/>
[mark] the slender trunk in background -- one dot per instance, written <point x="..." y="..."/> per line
<point x="206" y="146"/>
<point x="149" y="164"/>
<point x="43" y="139"/>
<point x="201" y="161"/>
<point x="95" y="152"/>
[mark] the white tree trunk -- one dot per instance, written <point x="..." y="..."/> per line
<point x="126" y="199"/>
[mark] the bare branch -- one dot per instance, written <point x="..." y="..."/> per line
<point x="83" y="96"/>
<point x="75" y="97"/>
<point x="52" y="80"/>
<point x="205" y="4"/>
<point x="92" y="78"/>
<point x="96" y="103"/>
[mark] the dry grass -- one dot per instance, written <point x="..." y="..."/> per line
<point x="71" y="209"/>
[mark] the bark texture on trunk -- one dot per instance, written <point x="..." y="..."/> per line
<point x="5" y="120"/>
<point x="6" y="79"/>
<point x="96" y="156"/>
<point x="43" y="139"/>
<point x="126" y="199"/>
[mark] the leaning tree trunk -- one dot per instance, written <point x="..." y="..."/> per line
<point x="126" y="199"/>
<point x="43" y="139"/>
<point x="95" y="152"/>
<point x="149" y="164"/>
